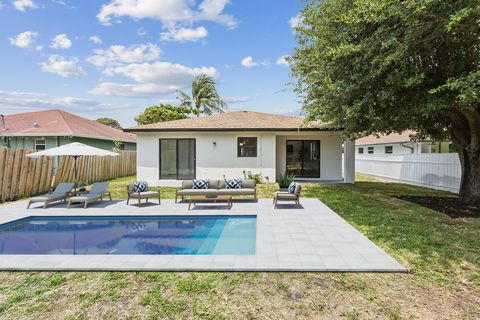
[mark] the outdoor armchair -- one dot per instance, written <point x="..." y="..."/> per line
<point x="97" y="192"/>
<point x="139" y="195"/>
<point x="61" y="192"/>
<point x="288" y="196"/>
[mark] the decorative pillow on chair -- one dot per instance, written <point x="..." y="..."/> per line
<point x="140" y="186"/>
<point x="233" y="183"/>
<point x="200" y="184"/>
<point x="291" y="187"/>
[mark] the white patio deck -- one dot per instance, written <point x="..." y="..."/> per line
<point x="311" y="238"/>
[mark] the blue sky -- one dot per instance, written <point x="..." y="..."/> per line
<point x="113" y="58"/>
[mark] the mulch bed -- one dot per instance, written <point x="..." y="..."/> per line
<point x="453" y="207"/>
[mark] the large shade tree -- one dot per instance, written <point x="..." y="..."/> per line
<point x="161" y="113"/>
<point x="204" y="98"/>
<point x="383" y="66"/>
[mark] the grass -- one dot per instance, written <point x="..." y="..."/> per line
<point x="441" y="253"/>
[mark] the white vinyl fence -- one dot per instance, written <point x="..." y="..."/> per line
<point x="440" y="171"/>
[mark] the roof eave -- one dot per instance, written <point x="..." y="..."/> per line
<point x="134" y="130"/>
<point x="62" y="134"/>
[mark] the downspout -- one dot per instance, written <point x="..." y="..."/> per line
<point x="408" y="147"/>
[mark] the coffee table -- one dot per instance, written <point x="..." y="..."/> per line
<point x="209" y="198"/>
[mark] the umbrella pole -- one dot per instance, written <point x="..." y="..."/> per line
<point x="75" y="173"/>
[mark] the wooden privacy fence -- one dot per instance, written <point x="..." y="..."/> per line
<point x="92" y="169"/>
<point x="21" y="176"/>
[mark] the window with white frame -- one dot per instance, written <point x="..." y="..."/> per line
<point x="388" y="149"/>
<point x="40" y="144"/>
<point x="360" y="150"/>
<point x="370" y="150"/>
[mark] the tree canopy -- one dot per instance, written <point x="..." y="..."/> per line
<point x="204" y="98"/>
<point x="161" y="113"/>
<point x="109" y="122"/>
<point x="376" y="66"/>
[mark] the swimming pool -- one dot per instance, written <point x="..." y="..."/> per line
<point x="140" y="235"/>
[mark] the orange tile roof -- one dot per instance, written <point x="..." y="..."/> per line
<point x="390" y="138"/>
<point x="236" y="121"/>
<point x="60" y="123"/>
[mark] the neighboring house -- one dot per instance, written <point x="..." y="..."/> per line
<point x="399" y="144"/>
<point x="232" y="144"/>
<point x="52" y="128"/>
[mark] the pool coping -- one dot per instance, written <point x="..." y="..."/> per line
<point x="306" y="239"/>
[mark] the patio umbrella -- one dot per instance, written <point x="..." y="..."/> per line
<point x="75" y="150"/>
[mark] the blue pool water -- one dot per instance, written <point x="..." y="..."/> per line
<point x="130" y="235"/>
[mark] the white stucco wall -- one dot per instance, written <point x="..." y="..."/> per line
<point x="330" y="152"/>
<point x="216" y="161"/>
<point x="212" y="161"/>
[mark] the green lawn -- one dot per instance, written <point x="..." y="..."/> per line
<point x="442" y="254"/>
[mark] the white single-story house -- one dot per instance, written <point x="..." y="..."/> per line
<point x="233" y="144"/>
<point x="399" y="143"/>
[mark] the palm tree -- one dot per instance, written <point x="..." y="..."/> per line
<point x="204" y="95"/>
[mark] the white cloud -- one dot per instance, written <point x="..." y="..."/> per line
<point x="212" y="10"/>
<point x="118" y="54"/>
<point x="169" y="12"/>
<point x="248" y="62"/>
<point x="1" y="5"/>
<point x="151" y="79"/>
<point x="63" y="67"/>
<point x="95" y="39"/>
<point x="233" y="100"/>
<point x="283" y="60"/>
<point x="17" y="101"/>
<point x="22" y="5"/>
<point x="295" y="21"/>
<point x="184" y="34"/>
<point x="61" y="41"/>
<point x="24" y="40"/>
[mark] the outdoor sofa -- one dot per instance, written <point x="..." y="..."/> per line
<point x="97" y="192"/>
<point x="61" y="192"/>
<point x="217" y="187"/>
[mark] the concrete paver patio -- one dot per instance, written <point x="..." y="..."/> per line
<point x="310" y="238"/>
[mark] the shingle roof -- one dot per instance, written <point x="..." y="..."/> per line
<point x="60" y="123"/>
<point x="391" y="138"/>
<point x="236" y="121"/>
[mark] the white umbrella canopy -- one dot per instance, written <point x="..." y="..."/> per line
<point x="75" y="150"/>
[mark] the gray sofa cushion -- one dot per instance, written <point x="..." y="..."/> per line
<point x="285" y="195"/>
<point x="212" y="184"/>
<point x="187" y="192"/>
<point x="145" y="194"/>
<point x="187" y="184"/>
<point x="248" y="183"/>
<point x="243" y="191"/>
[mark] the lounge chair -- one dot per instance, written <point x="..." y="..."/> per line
<point x="97" y="192"/>
<point x="288" y="196"/>
<point x="132" y="194"/>
<point x="61" y="192"/>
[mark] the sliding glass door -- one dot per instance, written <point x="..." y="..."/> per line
<point x="303" y="158"/>
<point x="177" y="159"/>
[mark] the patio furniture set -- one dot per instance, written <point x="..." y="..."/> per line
<point x="198" y="190"/>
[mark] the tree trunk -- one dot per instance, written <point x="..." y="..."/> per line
<point x="470" y="182"/>
<point x="467" y="144"/>
<point x="198" y="111"/>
